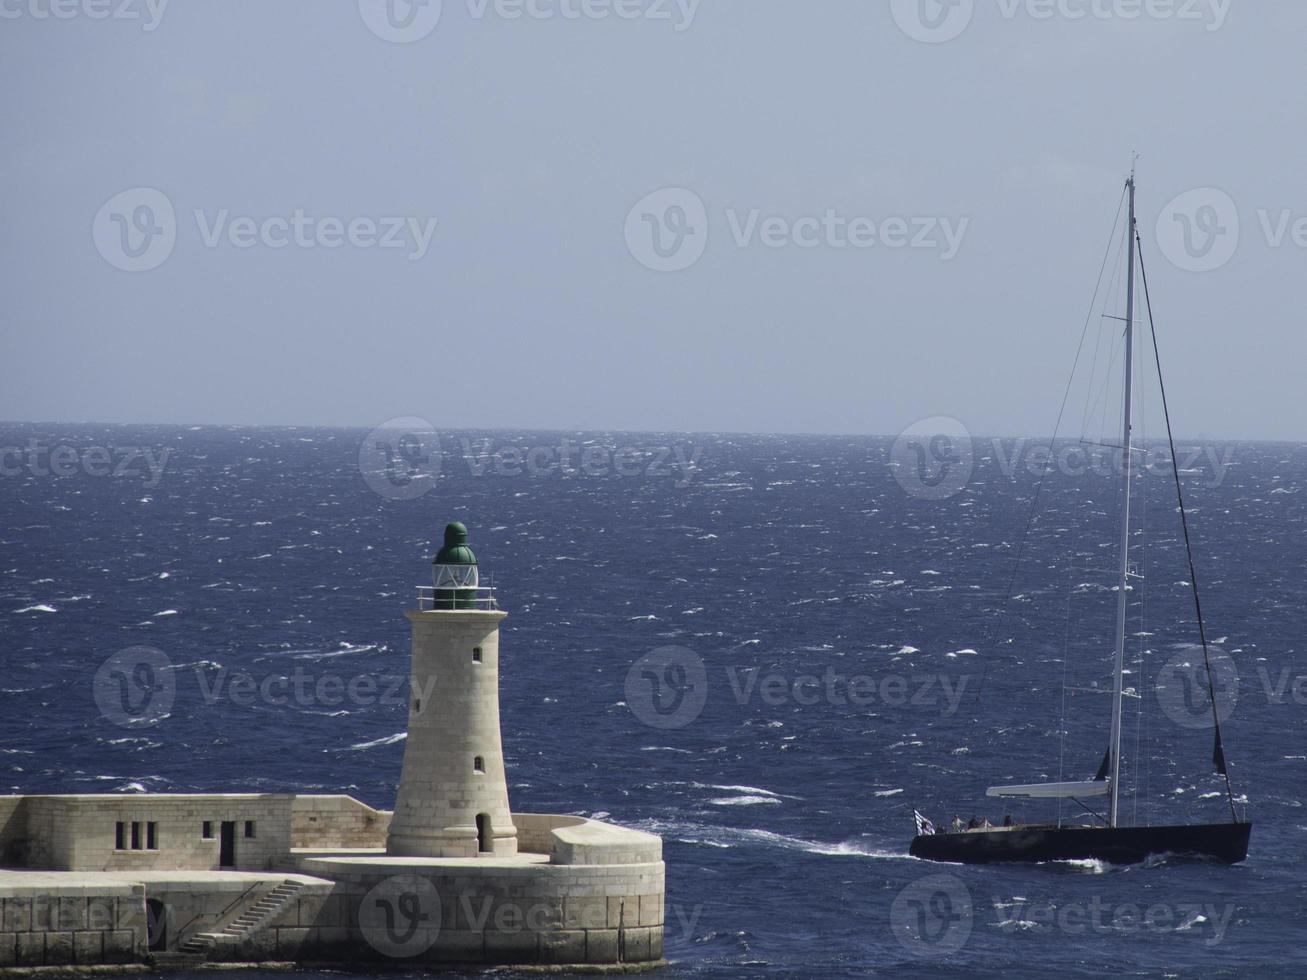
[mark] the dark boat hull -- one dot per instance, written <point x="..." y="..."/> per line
<point x="1119" y="845"/>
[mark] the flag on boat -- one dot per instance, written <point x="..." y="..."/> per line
<point x="924" y="826"/>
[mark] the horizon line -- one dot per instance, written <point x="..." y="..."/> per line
<point x="1206" y="437"/>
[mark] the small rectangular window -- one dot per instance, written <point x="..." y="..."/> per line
<point x="151" y="836"/>
<point x="136" y="835"/>
<point x="206" y="830"/>
<point x="476" y="655"/>
<point x="478" y="764"/>
<point x="120" y="837"/>
<point x="249" y="828"/>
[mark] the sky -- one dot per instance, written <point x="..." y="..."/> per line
<point x="668" y="215"/>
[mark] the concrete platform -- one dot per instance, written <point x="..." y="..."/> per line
<point x="19" y="881"/>
<point x="377" y="858"/>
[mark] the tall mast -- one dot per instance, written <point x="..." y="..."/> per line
<point x="1123" y="582"/>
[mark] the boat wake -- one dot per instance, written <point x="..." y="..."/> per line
<point x="1091" y="866"/>
<point x="711" y="835"/>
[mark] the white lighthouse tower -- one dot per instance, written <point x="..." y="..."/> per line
<point x="453" y="797"/>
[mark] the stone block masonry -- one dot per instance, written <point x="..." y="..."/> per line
<point x="576" y="892"/>
<point x="146" y="832"/>
<point x="71" y="924"/>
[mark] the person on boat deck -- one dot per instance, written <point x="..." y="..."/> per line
<point x="957" y="824"/>
<point x="1007" y="820"/>
<point x="985" y="824"/>
<point x="973" y="823"/>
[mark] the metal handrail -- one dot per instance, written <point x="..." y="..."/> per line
<point x="476" y="597"/>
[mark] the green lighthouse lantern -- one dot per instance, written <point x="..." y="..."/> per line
<point x="454" y="571"/>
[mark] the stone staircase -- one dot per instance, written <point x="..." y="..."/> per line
<point x="244" y="926"/>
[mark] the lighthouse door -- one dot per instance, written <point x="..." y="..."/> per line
<point x="483" y="833"/>
<point x="227" y="853"/>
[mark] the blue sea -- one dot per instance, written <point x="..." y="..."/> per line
<point x="769" y="650"/>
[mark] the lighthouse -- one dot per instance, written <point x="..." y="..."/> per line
<point x="453" y="796"/>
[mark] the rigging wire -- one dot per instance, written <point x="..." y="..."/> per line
<point x="1080" y="559"/>
<point x="1034" y="503"/>
<point x="1218" y="753"/>
<point x="1066" y="658"/>
<point x="1106" y="391"/>
<point x="1098" y="337"/>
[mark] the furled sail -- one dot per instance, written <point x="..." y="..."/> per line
<point x="1051" y="791"/>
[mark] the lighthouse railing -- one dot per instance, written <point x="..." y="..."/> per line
<point x="479" y="597"/>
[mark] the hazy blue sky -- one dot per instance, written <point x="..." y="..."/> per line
<point x="530" y="139"/>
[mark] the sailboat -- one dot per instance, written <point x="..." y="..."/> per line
<point x="1108" y="840"/>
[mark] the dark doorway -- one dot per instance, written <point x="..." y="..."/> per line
<point x="483" y="833"/>
<point x="156" y="924"/>
<point x="227" y="853"/>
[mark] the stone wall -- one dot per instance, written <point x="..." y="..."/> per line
<point x="593" y="843"/>
<point x="78" y="833"/>
<point x="543" y="914"/>
<point x="63" y="925"/>
<point x="47" y="841"/>
<point x="535" y="831"/>
<point x="13" y="831"/>
<point x="598" y="899"/>
<point x="336" y="822"/>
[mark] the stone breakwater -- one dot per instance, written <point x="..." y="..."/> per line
<point x="577" y="893"/>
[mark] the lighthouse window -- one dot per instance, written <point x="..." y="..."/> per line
<point x="249" y="828"/>
<point x="476" y="655"/>
<point x="136" y="835"/>
<point x="206" y="830"/>
<point x="120" y="837"/>
<point x="151" y="836"/>
<point x="478" y="764"/>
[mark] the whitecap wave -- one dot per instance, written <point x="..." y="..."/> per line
<point x="376" y="743"/>
<point x="346" y="649"/>
<point x="750" y="790"/>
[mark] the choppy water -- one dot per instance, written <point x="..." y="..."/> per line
<point x="845" y="628"/>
